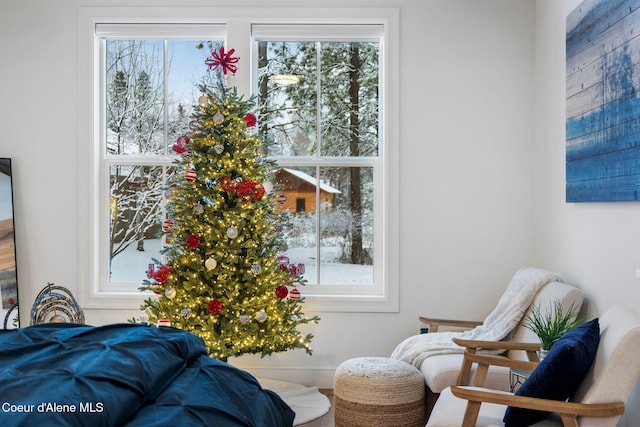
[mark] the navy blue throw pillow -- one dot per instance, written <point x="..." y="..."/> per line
<point x="559" y="374"/>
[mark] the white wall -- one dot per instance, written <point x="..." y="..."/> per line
<point x="466" y="150"/>
<point x="596" y="245"/>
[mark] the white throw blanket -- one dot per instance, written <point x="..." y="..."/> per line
<point x="499" y="323"/>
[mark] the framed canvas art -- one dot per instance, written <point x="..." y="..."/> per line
<point x="8" y="265"/>
<point x="603" y="103"/>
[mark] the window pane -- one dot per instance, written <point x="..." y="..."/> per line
<point x="287" y="75"/>
<point x="344" y="205"/>
<point x="346" y="96"/>
<point x="135" y="95"/>
<point x="186" y="71"/>
<point x="297" y="189"/>
<point x="346" y="226"/>
<point x="136" y="212"/>
<point x="349" y="97"/>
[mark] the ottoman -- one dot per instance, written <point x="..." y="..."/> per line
<point x="378" y="391"/>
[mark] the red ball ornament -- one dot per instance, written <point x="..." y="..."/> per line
<point x="167" y="225"/>
<point x="183" y="139"/>
<point x="250" y="119"/>
<point x="193" y="241"/>
<point x="294" y="295"/>
<point x="215" y="307"/>
<point x="161" y="275"/>
<point x="244" y="188"/>
<point x="283" y="260"/>
<point x="179" y="148"/>
<point x="282" y="291"/>
<point x="258" y="192"/>
<point x="190" y="175"/>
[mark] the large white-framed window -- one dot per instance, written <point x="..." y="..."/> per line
<point x="139" y="69"/>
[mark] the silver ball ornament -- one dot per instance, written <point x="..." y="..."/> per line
<point x="232" y="232"/>
<point x="170" y="293"/>
<point x="261" y="316"/>
<point x="218" y="118"/>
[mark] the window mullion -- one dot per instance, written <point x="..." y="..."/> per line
<point x="318" y="153"/>
<point x="165" y="110"/>
<point x="165" y="88"/>
<point x="132" y="160"/>
<point x="318" y="228"/>
<point x="326" y="161"/>
<point x="318" y="99"/>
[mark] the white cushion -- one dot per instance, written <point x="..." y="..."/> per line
<point x="449" y="412"/>
<point x="616" y="369"/>
<point x="441" y="371"/>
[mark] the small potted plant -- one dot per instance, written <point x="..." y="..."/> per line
<point x="552" y="324"/>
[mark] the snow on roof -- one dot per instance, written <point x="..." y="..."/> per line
<point x="311" y="180"/>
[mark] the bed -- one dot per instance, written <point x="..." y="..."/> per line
<point x="58" y="374"/>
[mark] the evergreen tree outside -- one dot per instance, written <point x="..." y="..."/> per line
<point x="332" y="110"/>
<point x="224" y="278"/>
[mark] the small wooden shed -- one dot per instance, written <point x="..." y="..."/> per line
<point x="299" y="191"/>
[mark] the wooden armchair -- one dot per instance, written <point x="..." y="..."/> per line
<point x="599" y="401"/>
<point x="442" y="371"/>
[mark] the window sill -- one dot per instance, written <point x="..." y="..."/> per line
<point x="130" y="300"/>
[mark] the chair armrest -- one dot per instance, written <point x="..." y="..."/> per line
<point x="485" y="360"/>
<point x="436" y="323"/>
<point x="531" y="349"/>
<point x="498" y="345"/>
<point x="567" y="410"/>
<point x="493" y="360"/>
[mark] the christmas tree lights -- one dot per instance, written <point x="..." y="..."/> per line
<point x="224" y="277"/>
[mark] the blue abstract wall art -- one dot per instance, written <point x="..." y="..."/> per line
<point x="603" y="102"/>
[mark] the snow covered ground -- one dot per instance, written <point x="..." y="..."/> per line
<point x="131" y="265"/>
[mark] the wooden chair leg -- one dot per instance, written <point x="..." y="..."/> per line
<point x="481" y="375"/>
<point x="465" y="370"/>
<point x="471" y="414"/>
<point x="569" y="420"/>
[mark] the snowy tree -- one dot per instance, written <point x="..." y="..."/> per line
<point x="348" y="105"/>
<point x="135" y="126"/>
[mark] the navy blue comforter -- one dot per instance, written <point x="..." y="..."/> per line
<point x="125" y="375"/>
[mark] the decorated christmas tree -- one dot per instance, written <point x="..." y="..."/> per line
<point x="223" y="276"/>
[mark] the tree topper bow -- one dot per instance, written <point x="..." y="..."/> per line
<point x="221" y="59"/>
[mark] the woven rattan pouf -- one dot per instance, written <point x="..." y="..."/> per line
<point x="377" y="391"/>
